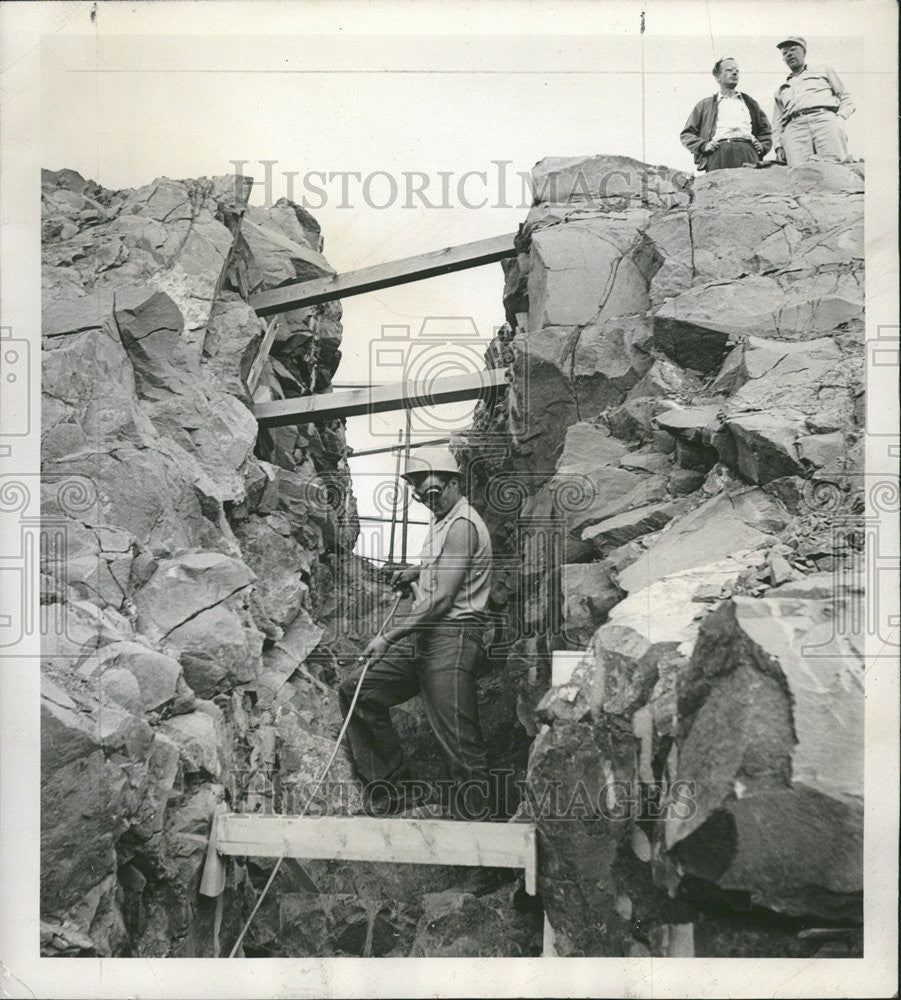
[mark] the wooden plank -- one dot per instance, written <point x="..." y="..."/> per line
<point x="378" y="399"/>
<point x="549" y="940"/>
<point x="256" y="369"/>
<point x="213" y="880"/>
<point x="531" y="865"/>
<point x="367" y="838"/>
<point x="397" y="272"/>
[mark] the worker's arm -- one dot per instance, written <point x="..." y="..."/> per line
<point x="763" y="133"/>
<point x="450" y="571"/>
<point x="691" y="132"/>
<point x="402" y="578"/>
<point x="778" y="111"/>
<point x="845" y="104"/>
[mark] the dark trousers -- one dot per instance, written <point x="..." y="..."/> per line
<point x="732" y="153"/>
<point x="440" y="665"/>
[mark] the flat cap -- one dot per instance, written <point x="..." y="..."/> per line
<point x="793" y="40"/>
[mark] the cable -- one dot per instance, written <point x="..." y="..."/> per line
<point x="325" y="771"/>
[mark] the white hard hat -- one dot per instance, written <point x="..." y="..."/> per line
<point x="430" y="459"/>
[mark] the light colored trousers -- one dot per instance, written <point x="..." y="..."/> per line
<point x="820" y="134"/>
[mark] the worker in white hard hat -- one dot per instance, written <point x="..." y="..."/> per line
<point x="445" y="623"/>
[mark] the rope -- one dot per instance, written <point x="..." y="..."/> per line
<point x="325" y="771"/>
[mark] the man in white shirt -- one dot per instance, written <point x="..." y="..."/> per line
<point x="810" y="109"/>
<point x="728" y="129"/>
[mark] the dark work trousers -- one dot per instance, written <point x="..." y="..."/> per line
<point x="732" y="153"/>
<point x="440" y="664"/>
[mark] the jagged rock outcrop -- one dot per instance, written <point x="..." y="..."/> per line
<point x="685" y="429"/>
<point x="204" y="597"/>
<point x="673" y="482"/>
<point x="183" y="591"/>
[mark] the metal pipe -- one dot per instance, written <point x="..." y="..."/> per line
<point x="394" y="502"/>
<point x="394" y="447"/>
<point x="406" y="520"/>
<point x="384" y="520"/>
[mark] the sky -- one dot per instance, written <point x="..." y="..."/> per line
<point x="354" y="125"/>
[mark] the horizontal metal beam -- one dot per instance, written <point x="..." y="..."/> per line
<point x="395" y="448"/>
<point x="397" y="272"/>
<point x="378" y="399"/>
<point x="366" y="838"/>
<point x="386" y="520"/>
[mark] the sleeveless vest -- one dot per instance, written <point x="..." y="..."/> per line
<point x="472" y="597"/>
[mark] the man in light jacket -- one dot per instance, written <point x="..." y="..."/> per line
<point x="728" y="129"/>
<point x="810" y="110"/>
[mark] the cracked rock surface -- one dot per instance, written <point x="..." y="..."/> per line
<point x="204" y="598"/>
<point x="685" y="425"/>
<point x="184" y="551"/>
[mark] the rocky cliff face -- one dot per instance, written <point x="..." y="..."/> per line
<point x="673" y="481"/>
<point x="683" y="436"/>
<point x="202" y="597"/>
<point x="196" y="564"/>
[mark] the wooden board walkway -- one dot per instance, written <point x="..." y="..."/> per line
<point x="368" y="838"/>
<point x="378" y="398"/>
<point x="397" y="272"/>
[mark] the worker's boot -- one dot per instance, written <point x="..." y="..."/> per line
<point x="387" y="798"/>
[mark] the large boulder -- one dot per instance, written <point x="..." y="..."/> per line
<point x="95" y="563"/>
<point x="200" y="738"/>
<point x="721" y="526"/>
<point x="181" y="588"/>
<point x="292" y="648"/>
<point x="277" y="257"/>
<point x="588" y="594"/>
<point x="779" y="789"/>
<point x="160" y="679"/>
<point x="86" y="804"/>
<point x="281" y="567"/>
<point x="792" y="408"/>
<point x="152" y="494"/>
<point x="609" y="183"/>
<point x="588" y="270"/>
<point x="89" y="391"/>
<point x="151" y="328"/>
<point x="219" y="648"/>
<point x="609" y="358"/>
<point x="587" y="446"/>
<point x="621" y="528"/>
<point x="697" y="327"/>
<point x="544" y="405"/>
